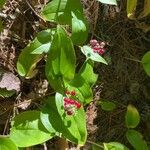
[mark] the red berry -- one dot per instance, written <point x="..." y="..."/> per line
<point x="78" y="105"/>
<point x="101" y="51"/>
<point x="96" y="47"/>
<point x="69" y="113"/>
<point x="67" y="92"/>
<point x="66" y="99"/>
<point x="73" y="93"/>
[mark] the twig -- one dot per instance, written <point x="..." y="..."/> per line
<point x="34" y="10"/>
<point x="132" y="59"/>
<point x="95" y="144"/>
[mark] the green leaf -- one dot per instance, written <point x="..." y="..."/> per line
<point x="1" y="25"/>
<point x="79" y="29"/>
<point x="71" y="127"/>
<point x="146" y="63"/>
<point x="27" y="130"/>
<point x="114" y="146"/>
<point x="71" y="13"/>
<point x="2" y="2"/>
<point x="61" y="60"/>
<point x="5" y="93"/>
<point x="33" y="53"/>
<point x="107" y="106"/>
<point x="86" y="71"/>
<point x="54" y="9"/>
<point x="131" y="8"/>
<point x="7" y="144"/>
<point x="132" y="117"/>
<point x="88" y="52"/>
<point x="60" y="10"/>
<point x="110" y="2"/>
<point x="81" y="87"/>
<point x="136" y="140"/>
<point x="146" y="10"/>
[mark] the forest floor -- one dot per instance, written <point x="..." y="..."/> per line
<point x="123" y="81"/>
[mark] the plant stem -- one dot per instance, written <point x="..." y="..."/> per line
<point x="132" y="59"/>
<point x="95" y="144"/>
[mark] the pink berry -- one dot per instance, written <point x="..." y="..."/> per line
<point x="93" y="42"/>
<point x="102" y="44"/>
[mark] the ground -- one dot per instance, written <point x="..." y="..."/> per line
<point x="123" y="81"/>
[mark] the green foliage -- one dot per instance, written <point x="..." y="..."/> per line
<point x="55" y="119"/>
<point x="7" y="144"/>
<point x="88" y="52"/>
<point x="61" y="60"/>
<point x="136" y="140"/>
<point x="5" y="93"/>
<point x="86" y="71"/>
<point x="146" y="63"/>
<point x="27" y="129"/>
<point x="79" y="27"/>
<point x="2" y="2"/>
<point x="33" y="53"/>
<point x="132" y="117"/>
<point x="81" y="87"/>
<point x="114" y="146"/>
<point x="107" y="105"/>
<point x="146" y="10"/>
<point x="110" y="2"/>
<point x="71" y="13"/>
<point x="131" y="7"/>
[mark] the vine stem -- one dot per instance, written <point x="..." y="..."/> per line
<point x="132" y="59"/>
<point x="91" y="142"/>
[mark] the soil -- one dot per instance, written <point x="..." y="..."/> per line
<point x="123" y="81"/>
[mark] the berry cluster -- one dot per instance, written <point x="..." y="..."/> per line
<point x="98" y="47"/>
<point x="71" y="105"/>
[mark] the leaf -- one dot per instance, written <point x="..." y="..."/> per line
<point x="146" y="63"/>
<point x="1" y="25"/>
<point x="114" y="146"/>
<point x="27" y="130"/>
<point x="82" y="88"/>
<point x="5" y="93"/>
<point x="110" y="2"/>
<point x="87" y="73"/>
<point x="132" y="117"/>
<point x="136" y="140"/>
<point x="33" y="53"/>
<point x="9" y="83"/>
<point x="107" y="106"/>
<point x="88" y="52"/>
<point x="142" y="25"/>
<point x="71" y="13"/>
<point x="71" y="127"/>
<point x="131" y="8"/>
<point x="146" y="10"/>
<point x="7" y="144"/>
<point x="79" y="29"/>
<point x="54" y="9"/>
<point x="61" y="60"/>
<point x="60" y="10"/>
<point x="2" y="2"/>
